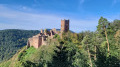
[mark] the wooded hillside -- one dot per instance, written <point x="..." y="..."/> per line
<point x="12" y="40"/>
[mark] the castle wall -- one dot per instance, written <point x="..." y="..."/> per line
<point x="40" y="41"/>
<point x="41" y="38"/>
<point x="44" y="40"/>
<point x="37" y="41"/>
<point x="30" y="42"/>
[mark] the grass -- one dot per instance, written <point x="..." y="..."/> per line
<point x="24" y="54"/>
<point x="29" y="53"/>
<point x="5" y="64"/>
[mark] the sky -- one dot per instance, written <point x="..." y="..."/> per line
<point x="47" y="14"/>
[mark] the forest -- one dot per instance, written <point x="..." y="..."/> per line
<point x="11" y="40"/>
<point x="100" y="48"/>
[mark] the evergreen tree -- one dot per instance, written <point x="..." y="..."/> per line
<point x="101" y="28"/>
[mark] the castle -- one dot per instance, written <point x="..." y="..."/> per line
<point x="41" y="38"/>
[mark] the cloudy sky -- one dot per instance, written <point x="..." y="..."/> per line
<point x="41" y="14"/>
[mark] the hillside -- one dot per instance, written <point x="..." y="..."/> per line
<point x="26" y="57"/>
<point x="12" y="40"/>
<point x="85" y="49"/>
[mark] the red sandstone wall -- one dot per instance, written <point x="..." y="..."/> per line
<point x="64" y="25"/>
<point x="30" y="41"/>
<point x="35" y="41"/>
<point x="40" y="41"/>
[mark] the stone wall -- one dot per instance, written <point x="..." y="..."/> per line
<point x="41" y="38"/>
<point x="37" y="40"/>
<point x="64" y="25"/>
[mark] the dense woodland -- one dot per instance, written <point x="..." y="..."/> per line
<point x="100" y="48"/>
<point x="11" y="40"/>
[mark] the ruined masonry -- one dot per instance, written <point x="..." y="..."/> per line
<point x="41" y="38"/>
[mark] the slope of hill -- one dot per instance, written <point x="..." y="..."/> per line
<point x="12" y="40"/>
<point x="70" y="51"/>
<point x="31" y="57"/>
<point x="86" y="49"/>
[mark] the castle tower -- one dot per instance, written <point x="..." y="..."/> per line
<point x="64" y="25"/>
<point x="41" y="31"/>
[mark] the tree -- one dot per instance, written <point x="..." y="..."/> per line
<point x="101" y="28"/>
<point x="117" y="36"/>
<point x="86" y="42"/>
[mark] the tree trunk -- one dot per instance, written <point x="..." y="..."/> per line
<point x="106" y="39"/>
<point x="95" y="53"/>
<point x="89" y="57"/>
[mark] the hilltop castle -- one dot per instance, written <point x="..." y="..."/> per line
<point x="41" y="38"/>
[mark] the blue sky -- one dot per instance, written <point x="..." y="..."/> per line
<point x="41" y="14"/>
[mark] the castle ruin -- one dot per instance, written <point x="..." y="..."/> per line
<point x="64" y="25"/>
<point x="41" y="38"/>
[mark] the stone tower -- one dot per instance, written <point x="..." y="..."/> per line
<point x="64" y="25"/>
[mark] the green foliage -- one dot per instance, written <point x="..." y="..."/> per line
<point x="84" y="49"/>
<point x="57" y="36"/>
<point x="75" y="56"/>
<point x="80" y="59"/>
<point x="106" y="61"/>
<point x="44" y="55"/>
<point x="5" y="64"/>
<point x="12" y="40"/>
<point x="25" y="55"/>
<point x="102" y="23"/>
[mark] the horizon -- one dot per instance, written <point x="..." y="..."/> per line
<point x="47" y="14"/>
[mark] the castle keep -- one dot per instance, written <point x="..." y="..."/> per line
<point x="64" y="25"/>
<point x="41" y="38"/>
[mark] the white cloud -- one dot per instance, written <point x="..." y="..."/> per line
<point x="17" y="17"/>
<point x="13" y="19"/>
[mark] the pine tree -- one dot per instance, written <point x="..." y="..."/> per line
<point x="101" y="28"/>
